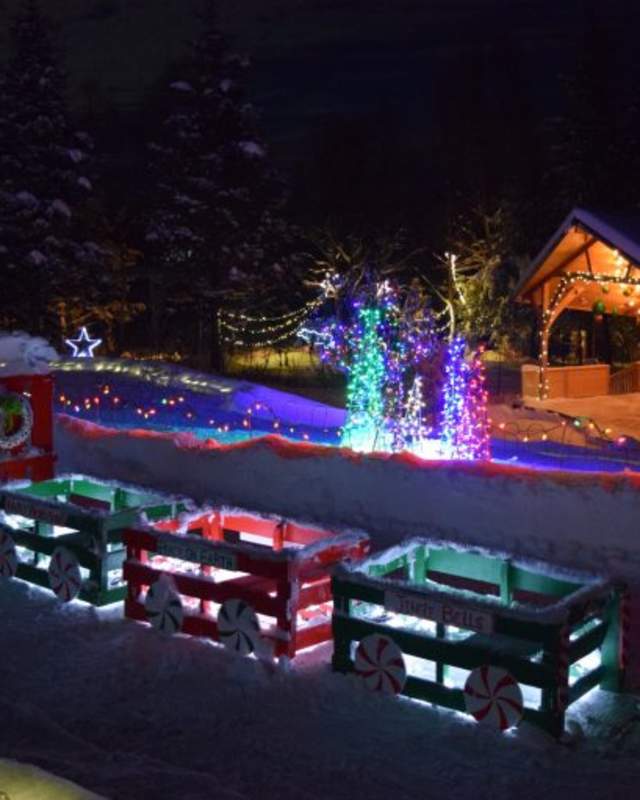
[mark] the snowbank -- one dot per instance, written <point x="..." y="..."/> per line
<point x="576" y="520"/>
<point x="21" y="354"/>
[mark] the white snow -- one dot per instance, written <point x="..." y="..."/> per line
<point x="76" y="155"/>
<point x="27" y="199"/>
<point x="128" y="713"/>
<point x="37" y="258"/>
<point x="22" y="354"/>
<point x="252" y="149"/>
<point x="60" y="207"/>
<point x="182" y="86"/>
<point x="85" y="183"/>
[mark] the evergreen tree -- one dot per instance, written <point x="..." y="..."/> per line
<point x="215" y="234"/>
<point x="591" y="157"/>
<point x="45" y="259"/>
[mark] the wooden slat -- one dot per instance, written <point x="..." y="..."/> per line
<point x="457" y="654"/>
<point x="204" y="589"/>
<point x="584" y="684"/>
<point x="585" y="644"/>
<point x="316" y="593"/>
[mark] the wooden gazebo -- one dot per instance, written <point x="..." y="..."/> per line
<point x="592" y="263"/>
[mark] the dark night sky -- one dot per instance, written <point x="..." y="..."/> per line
<point x="316" y="58"/>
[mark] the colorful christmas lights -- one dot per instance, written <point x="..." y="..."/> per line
<point x="363" y="429"/>
<point x="465" y="422"/>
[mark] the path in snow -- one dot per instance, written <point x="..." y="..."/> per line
<point x="130" y="715"/>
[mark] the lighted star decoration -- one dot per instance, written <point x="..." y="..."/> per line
<point x="83" y="346"/>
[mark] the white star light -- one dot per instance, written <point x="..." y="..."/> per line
<point x="83" y="346"/>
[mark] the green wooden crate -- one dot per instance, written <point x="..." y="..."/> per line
<point x="84" y="517"/>
<point x="451" y="610"/>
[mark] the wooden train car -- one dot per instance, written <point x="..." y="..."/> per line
<point x="66" y="534"/>
<point x="255" y="584"/>
<point x="500" y="639"/>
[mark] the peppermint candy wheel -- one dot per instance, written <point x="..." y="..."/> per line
<point x="492" y="696"/>
<point x="379" y="663"/>
<point x="238" y="627"/>
<point x="8" y="557"/>
<point x="164" y="607"/>
<point x="64" y="574"/>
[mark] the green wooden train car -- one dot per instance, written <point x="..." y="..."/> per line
<point x="477" y="632"/>
<point x="66" y="534"/>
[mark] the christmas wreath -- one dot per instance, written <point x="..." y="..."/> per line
<point x="16" y="421"/>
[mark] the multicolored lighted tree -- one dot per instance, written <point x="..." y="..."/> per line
<point x="379" y="338"/>
<point x="364" y="425"/>
<point x="465" y="423"/>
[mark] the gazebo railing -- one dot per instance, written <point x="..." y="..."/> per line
<point x="625" y="380"/>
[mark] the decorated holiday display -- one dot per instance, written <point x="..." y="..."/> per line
<point x="70" y="531"/>
<point x="228" y="570"/>
<point x="493" y="697"/>
<point x="83" y="346"/>
<point x="379" y="337"/>
<point x="26" y="407"/>
<point x="465" y="428"/>
<point x="379" y="664"/>
<point x="163" y="606"/>
<point x="16" y="421"/>
<point x="238" y="626"/>
<point x="455" y="610"/>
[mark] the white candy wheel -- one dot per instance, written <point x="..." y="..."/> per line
<point x="379" y="663"/>
<point x="238" y="627"/>
<point x="492" y="696"/>
<point x="64" y="574"/>
<point x="164" y="607"/>
<point x="8" y="557"/>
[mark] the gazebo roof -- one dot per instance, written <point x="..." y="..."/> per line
<point x="599" y="245"/>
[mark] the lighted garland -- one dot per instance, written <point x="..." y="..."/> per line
<point x="12" y="407"/>
<point x="567" y="282"/>
<point x="244" y="330"/>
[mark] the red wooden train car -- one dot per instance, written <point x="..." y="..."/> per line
<point x="255" y="584"/>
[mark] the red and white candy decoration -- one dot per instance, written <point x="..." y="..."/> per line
<point x="492" y="696"/>
<point x="8" y="557"/>
<point x="379" y="663"/>
<point x="164" y="607"/>
<point x="64" y="574"/>
<point x="238" y="627"/>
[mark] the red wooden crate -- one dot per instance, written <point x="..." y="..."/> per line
<point x="247" y="568"/>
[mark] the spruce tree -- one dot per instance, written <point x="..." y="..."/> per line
<point x="214" y="235"/>
<point x="45" y="258"/>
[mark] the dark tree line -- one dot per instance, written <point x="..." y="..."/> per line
<point x="177" y="211"/>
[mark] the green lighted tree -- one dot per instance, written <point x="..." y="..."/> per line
<point x="365" y="390"/>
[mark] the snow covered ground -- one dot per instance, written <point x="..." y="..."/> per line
<point x="619" y="412"/>
<point x="130" y="714"/>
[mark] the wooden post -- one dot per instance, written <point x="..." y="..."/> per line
<point x="612" y="648"/>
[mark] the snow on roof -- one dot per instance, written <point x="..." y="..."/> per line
<point x="22" y="354"/>
<point x="620" y="231"/>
